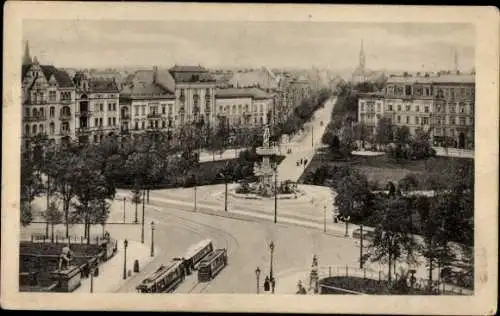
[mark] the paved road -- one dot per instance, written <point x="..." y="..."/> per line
<point x="247" y="244"/>
<point x="304" y="146"/>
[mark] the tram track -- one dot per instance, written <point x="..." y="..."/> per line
<point x="231" y="243"/>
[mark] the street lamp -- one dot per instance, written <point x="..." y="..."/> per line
<point x="324" y="218"/>
<point x="271" y="248"/>
<point x="143" y="210"/>
<point x="275" y="194"/>
<point x="257" y="274"/>
<point x="361" y="246"/>
<point x="152" y="239"/>
<point x="195" y="189"/>
<point x="124" y="199"/>
<point x="125" y="245"/>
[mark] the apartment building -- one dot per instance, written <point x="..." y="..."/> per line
<point x="48" y="102"/>
<point x="442" y="104"/>
<point x="97" y="108"/>
<point x="243" y="107"/>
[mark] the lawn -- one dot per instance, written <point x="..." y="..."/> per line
<point x="382" y="169"/>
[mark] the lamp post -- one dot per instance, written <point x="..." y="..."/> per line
<point x="136" y="206"/>
<point x="195" y="188"/>
<point x="271" y="248"/>
<point x="143" y="210"/>
<point x="324" y="218"/>
<point x="312" y="135"/>
<point x="275" y="194"/>
<point x="125" y="244"/>
<point x="361" y="246"/>
<point x="346" y="221"/>
<point x="257" y="274"/>
<point x="92" y="271"/>
<point x="124" y="199"/>
<point x="223" y="175"/>
<point x="152" y="239"/>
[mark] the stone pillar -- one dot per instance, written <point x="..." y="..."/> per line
<point x="69" y="279"/>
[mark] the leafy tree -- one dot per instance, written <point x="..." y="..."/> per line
<point x="362" y="132"/>
<point x="26" y="214"/>
<point x="384" y="135"/>
<point x="391" y="242"/>
<point x="53" y="216"/>
<point x="31" y="186"/>
<point x="435" y="240"/>
<point x="408" y="183"/>
<point x="402" y="135"/>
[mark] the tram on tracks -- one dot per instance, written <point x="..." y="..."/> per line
<point x="211" y="265"/>
<point x="195" y="254"/>
<point x="165" y="279"/>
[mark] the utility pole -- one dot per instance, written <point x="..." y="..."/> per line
<point x="324" y="218"/>
<point x="225" y="194"/>
<point x="143" y="210"/>
<point x="361" y="247"/>
<point x="275" y="195"/>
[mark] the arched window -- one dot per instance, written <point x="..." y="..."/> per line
<point x="52" y="111"/>
<point x="41" y="128"/>
<point x="52" y="128"/>
<point x="35" y="112"/>
<point x="27" y="112"/>
<point x="33" y="130"/>
<point x="41" y="112"/>
<point x="27" y="130"/>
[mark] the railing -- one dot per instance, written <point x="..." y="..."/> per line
<point x="36" y="118"/>
<point x="66" y="101"/>
<point x="154" y="115"/>
<point x="84" y="113"/>
<point x="83" y="130"/>
<point x="65" y="116"/>
<point x="66" y="132"/>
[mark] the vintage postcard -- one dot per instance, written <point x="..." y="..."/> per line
<point x="250" y="158"/>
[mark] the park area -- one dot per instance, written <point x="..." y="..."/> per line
<point x="379" y="170"/>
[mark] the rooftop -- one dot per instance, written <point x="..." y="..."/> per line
<point x="146" y="90"/>
<point x="61" y="76"/>
<point x="97" y="85"/>
<point x="445" y="78"/>
<point x="178" y="68"/>
<point x="254" y="93"/>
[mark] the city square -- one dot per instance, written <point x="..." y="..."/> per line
<point x="295" y="181"/>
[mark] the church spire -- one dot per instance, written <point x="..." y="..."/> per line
<point x="26" y="57"/>
<point x="455" y="58"/>
<point x="362" y="57"/>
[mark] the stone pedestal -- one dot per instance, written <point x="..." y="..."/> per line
<point x="69" y="279"/>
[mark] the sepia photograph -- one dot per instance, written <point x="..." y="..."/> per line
<point x="294" y="159"/>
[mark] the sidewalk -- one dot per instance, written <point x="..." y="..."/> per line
<point x="111" y="272"/>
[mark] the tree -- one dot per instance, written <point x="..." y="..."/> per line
<point x="384" y="135"/>
<point x="91" y="189"/>
<point x="391" y="242"/>
<point x="31" y="186"/>
<point x="435" y="240"/>
<point x="62" y="168"/>
<point x="53" y="216"/>
<point x="408" y="183"/>
<point x="352" y="195"/>
<point x="402" y="135"/>
<point x="362" y="132"/>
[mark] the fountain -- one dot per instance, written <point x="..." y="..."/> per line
<point x="264" y="171"/>
<point x="267" y="174"/>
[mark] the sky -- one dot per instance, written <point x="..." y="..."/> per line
<point x="332" y="45"/>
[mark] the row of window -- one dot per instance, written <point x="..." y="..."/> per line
<point x="111" y="122"/>
<point x="408" y="108"/>
<point x="65" y="111"/>
<point x="196" y="91"/>
<point x="39" y="129"/>
<point x="416" y="120"/>
<point x="239" y="108"/>
<point x="99" y="107"/>
<point x="410" y="90"/>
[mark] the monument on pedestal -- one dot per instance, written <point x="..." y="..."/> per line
<point x="68" y="276"/>
<point x="264" y="170"/>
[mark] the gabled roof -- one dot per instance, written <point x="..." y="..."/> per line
<point x="146" y="91"/>
<point x="163" y="78"/>
<point x="103" y="86"/>
<point x="62" y="77"/>
<point x="254" y="93"/>
<point x="177" y="68"/>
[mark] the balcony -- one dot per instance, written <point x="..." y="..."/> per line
<point x="36" y="118"/>
<point x="84" y="113"/>
<point x="66" y="101"/>
<point x="154" y="115"/>
<point x="65" y="116"/>
<point x="83" y="131"/>
<point x="65" y="132"/>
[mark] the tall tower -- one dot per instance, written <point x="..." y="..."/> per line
<point x="362" y="57"/>
<point x="26" y="57"/>
<point x="455" y="59"/>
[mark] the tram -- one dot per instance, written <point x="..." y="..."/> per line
<point x="211" y="265"/>
<point x="195" y="254"/>
<point x="165" y="279"/>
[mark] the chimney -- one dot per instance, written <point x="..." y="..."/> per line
<point x="155" y="74"/>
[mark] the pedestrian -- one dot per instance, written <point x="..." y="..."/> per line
<point x="305" y="162"/>
<point x="266" y="284"/>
